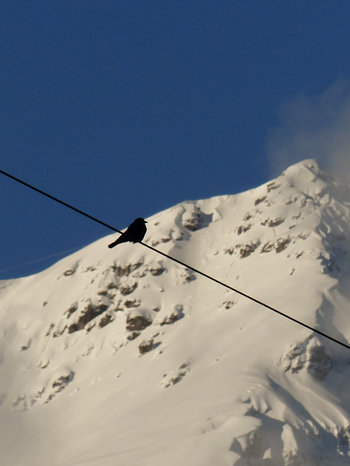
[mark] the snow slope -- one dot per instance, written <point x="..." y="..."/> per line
<point x="122" y="357"/>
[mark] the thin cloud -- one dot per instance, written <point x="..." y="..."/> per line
<point x="315" y="127"/>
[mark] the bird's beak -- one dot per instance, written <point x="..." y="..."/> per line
<point x="146" y="221"/>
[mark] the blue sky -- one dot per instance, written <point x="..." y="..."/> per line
<point x="125" y="108"/>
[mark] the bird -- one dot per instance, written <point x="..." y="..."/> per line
<point x="134" y="233"/>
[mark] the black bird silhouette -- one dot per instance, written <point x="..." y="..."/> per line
<point x="134" y="233"/>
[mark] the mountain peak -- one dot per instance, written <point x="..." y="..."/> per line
<point x="303" y="172"/>
<point x="112" y="339"/>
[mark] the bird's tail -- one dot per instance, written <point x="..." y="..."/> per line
<point x="117" y="241"/>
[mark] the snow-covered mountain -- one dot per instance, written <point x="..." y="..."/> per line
<point x="122" y="357"/>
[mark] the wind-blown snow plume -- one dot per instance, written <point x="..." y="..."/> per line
<point x="313" y="126"/>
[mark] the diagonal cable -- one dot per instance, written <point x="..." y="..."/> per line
<point x="40" y="191"/>
<point x="219" y="282"/>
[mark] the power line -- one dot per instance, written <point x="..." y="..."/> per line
<point x="40" y="191"/>
<point x="248" y="297"/>
<point x="219" y="282"/>
<point x="43" y="259"/>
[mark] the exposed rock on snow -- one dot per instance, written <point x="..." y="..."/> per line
<point x="243" y="228"/>
<point x="146" y="346"/>
<point x="175" y="376"/>
<point x="247" y="249"/>
<point x="311" y="355"/>
<point x="191" y="216"/>
<point x="281" y="244"/>
<point x="173" y="316"/>
<point x="137" y="322"/>
<point x="89" y="312"/>
<point x="127" y="288"/>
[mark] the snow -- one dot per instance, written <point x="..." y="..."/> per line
<point x="124" y="357"/>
